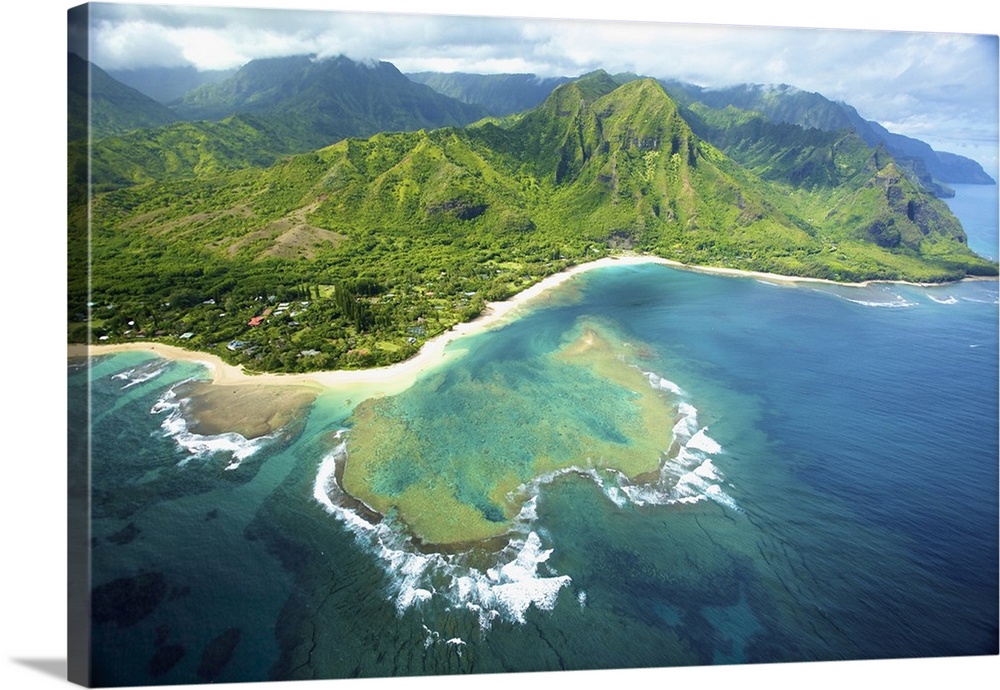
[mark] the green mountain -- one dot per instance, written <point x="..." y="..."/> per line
<point x="783" y="104"/>
<point x="940" y="165"/>
<point x="499" y="94"/>
<point x="504" y="94"/>
<point x="180" y="150"/>
<point x="374" y="245"/>
<point x="113" y="107"/>
<point x="268" y="109"/>
<point x="321" y="101"/>
<point x="168" y="84"/>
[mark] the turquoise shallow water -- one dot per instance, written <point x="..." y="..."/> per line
<point x="832" y="495"/>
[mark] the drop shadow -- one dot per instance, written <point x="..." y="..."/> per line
<point x="56" y="668"/>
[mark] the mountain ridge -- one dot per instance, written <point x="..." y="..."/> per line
<point x="266" y="110"/>
<point x="257" y="88"/>
<point x="501" y="94"/>
<point x="390" y="239"/>
<point x="393" y="238"/>
<point x="784" y="104"/>
<point x="338" y="96"/>
<point x="781" y="103"/>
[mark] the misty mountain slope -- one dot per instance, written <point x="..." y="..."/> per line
<point x="499" y="94"/>
<point x="785" y="104"/>
<point x="113" y="107"/>
<point x="168" y="84"/>
<point x="941" y="165"/>
<point x="327" y="99"/>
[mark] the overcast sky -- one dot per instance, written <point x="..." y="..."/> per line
<point x="938" y="87"/>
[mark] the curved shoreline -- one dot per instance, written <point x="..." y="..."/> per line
<point x="379" y="380"/>
<point x="397" y="377"/>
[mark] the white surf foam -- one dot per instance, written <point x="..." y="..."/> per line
<point x="505" y="591"/>
<point x="688" y="474"/>
<point x="142" y="373"/>
<point x="686" y="425"/>
<point x="702" y="441"/>
<point x="199" y="446"/>
<point x="875" y="296"/>
<point x="980" y="300"/>
<point x="432" y="637"/>
<point x="519" y="577"/>
<point x="898" y="303"/>
<point x="660" y="383"/>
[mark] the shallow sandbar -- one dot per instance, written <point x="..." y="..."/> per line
<point x="251" y="410"/>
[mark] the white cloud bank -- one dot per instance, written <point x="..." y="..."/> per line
<point x="939" y="87"/>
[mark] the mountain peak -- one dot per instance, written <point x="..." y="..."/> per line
<point x="328" y="98"/>
<point x="595" y="84"/>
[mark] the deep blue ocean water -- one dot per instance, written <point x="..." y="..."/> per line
<point x="833" y="495"/>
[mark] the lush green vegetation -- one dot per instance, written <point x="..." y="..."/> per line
<point x="317" y="102"/>
<point x="788" y="105"/>
<point x="268" y="109"/>
<point x="178" y="151"/>
<point x="354" y="255"/>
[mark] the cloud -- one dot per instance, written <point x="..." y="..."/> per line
<point x="936" y="86"/>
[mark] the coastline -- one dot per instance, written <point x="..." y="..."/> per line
<point x="397" y="377"/>
<point x="779" y="278"/>
<point x="379" y="380"/>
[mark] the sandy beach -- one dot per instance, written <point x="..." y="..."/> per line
<point x="397" y="377"/>
<point x="254" y="404"/>
<point x="385" y="380"/>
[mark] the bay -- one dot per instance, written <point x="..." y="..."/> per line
<point x="832" y="494"/>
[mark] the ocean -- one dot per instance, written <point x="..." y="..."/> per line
<point x="827" y="490"/>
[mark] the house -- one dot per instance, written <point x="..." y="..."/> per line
<point x="256" y="321"/>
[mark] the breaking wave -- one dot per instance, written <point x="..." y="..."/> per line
<point x="879" y="296"/>
<point x="198" y="446"/>
<point x="142" y="373"/>
<point x="504" y="591"/>
<point x="898" y="302"/>
<point x="519" y="578"/>
<point x="687" y="474"/>
<point x="981" y="297"/>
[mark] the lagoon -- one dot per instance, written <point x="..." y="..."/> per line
<point x="825" y="487"/>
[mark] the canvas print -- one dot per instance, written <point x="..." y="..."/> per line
<point x="421" y="345"/>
